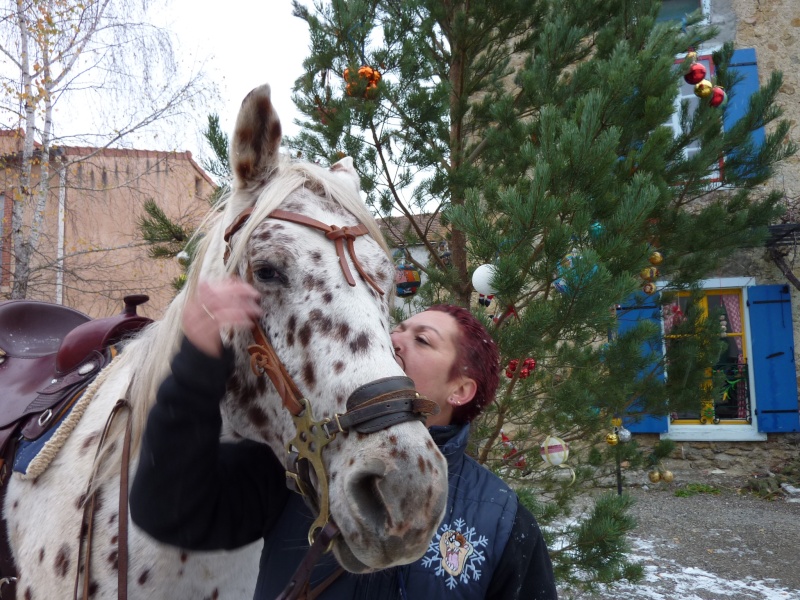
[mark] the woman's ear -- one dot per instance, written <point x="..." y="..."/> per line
<point x="463" y="393"/>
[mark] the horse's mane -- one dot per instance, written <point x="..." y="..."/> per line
<point x="148" y="356"/>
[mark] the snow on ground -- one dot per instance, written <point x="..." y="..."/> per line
<point x="665" y="579"/>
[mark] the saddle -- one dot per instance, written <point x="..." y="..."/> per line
<point x="48" y="354"/>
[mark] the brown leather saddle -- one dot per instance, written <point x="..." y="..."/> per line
<point x="48" y="353"/>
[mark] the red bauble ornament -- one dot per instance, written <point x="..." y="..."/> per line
<point x="695" y="74"/>
<point x="528" y="365"/>
<point x="718" y="97"/>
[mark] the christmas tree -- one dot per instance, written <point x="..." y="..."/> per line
<point x="539" y="133"/>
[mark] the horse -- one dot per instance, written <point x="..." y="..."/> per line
<point x="329" y="329"/>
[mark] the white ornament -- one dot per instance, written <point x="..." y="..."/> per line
<point x="554" y="451"/>
<point x="481" y="280"/>
<point x="624" y="435"/>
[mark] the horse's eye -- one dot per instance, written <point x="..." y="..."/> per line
<point x="266" y="274"/>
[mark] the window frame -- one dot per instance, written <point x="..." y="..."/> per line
<point x="729" y="431"/>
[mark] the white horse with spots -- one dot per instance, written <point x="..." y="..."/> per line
<point x="332" y="338"/>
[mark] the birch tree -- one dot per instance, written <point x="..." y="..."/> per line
<point x="101" y="55"/>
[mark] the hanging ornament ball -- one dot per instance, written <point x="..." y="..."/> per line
<point x="561" y="285"/>
<point x="654" y="476"/>
<point x="667" y="476"/>
<point x="718" y="97"/>
<point x="528" y="365"/>
<point x="554" y="451"/>
<point x="649" y="288"/>
<point x="481" y="280"/>
<point x="649" y="273"/>
<point x="616" y="422"/>
<point x="407" y="280"/>
<point x="703" y="89"/>
<point x="596" y="229"/>
<point x="691" y="56"/>
<point x="365" y="72"/>
<point x="624" y="435"/>
<point x="656" y="258"/>
<point x="695" y="74"/>
<point x="612" y="439"/>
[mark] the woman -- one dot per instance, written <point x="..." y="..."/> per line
<point x="488" y="546"/>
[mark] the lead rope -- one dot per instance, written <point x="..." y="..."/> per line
<point x="87" y="524"/>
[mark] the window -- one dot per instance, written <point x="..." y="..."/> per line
<point x="675" y="10"/>
<point x="731" y="404"/>
<point x="758" y="365"/>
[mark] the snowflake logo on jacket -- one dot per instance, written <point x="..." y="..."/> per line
<point x="455" y="553"/>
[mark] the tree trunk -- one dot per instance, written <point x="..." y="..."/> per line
<point x="458" y="241"/>
<point x="22" y="197"/>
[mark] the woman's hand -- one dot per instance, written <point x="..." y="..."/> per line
<point x="217" y="307"/>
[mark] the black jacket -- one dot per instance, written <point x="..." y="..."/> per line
<point x="193" y="491"/>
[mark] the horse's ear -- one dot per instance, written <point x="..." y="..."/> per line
<point x="345" y="167"/>
<point x="256" y="139"/>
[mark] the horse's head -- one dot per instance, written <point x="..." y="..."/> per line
<point x="327" y="319"/>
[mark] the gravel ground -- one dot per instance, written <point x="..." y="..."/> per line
<point x="731" y="546"/>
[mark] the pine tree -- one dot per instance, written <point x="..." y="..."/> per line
<point x="168" y="239"/>
<point x="536" y="130"/>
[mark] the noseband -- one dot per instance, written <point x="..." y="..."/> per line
<point x="370" y="408"/>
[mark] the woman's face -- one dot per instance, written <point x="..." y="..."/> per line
<point x="425" y="347"/>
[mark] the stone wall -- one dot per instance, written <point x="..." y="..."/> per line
<point x="737" y="459"/>
<point x="773" y="29"/>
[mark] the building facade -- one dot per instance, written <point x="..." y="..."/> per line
<point x="753" y="423"/>
<point x="91" y="253"/>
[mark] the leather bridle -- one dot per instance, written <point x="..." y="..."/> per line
<point x="370" y="408"/>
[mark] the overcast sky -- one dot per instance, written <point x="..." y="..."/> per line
<point x="244" y="44"/>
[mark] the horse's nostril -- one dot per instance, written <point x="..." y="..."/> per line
<point x="366" y="494"/>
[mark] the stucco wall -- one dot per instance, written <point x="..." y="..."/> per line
<point x="773" y="29"/>
<point x="103" y="198"/>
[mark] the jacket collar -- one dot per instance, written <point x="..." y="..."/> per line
<point x="452" y="441"/>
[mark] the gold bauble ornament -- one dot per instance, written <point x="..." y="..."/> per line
<point x="654" y="476"/>
<point x="616" y="422"/>
<point x="691" y="56"/>
<point x="667" y="476"/>
<point x="703" y="89"/>
<point x="649" y="288"/>
<point x="612" y="439"/>
<point x="656" y="258"/>
<point x="649" y="273"/>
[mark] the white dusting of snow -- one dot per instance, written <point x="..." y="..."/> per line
<point x="665" y="579"/>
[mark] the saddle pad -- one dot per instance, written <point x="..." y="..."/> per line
<point x="34" y="456"/>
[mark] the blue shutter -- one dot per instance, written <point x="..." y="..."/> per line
<point x="770" y="310"/>
<point x="743" y="62"/>
<point x="629" y="315"/>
